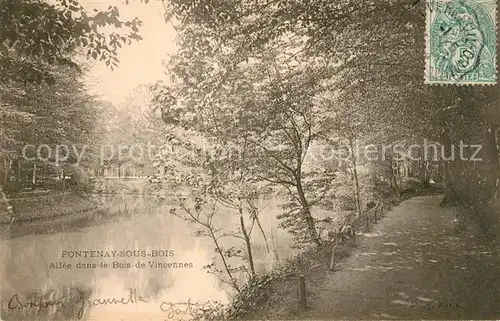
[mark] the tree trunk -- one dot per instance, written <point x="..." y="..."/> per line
<point x="63" y="181"/>
<point x="332" y="258"/>
<point x="357" y="193"/>
<point x="424" y="171"/>
<point x="9" y="171"/>
<point x="275" y="247"/>
<point x="450" y="197"/>
<point x="452" y="182"/>
<point x="223" y="258"/>
<point x="306" y="212"/>
<point x="399" y="176"/>
<point x="256" y="219"/>
<point x="33" y="178"/>
<point x="394" y="182"/>
<point x="440" y="173"/>
<point x="8" y="206"/>
<point x="6" y="171"/>
<point x="247" y="242"/>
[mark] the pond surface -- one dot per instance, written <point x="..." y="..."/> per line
<point x="141" y="263"/>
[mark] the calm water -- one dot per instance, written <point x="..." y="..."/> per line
<point x="33" y="290"/>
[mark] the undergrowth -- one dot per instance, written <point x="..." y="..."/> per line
<point x="274" y="294"/>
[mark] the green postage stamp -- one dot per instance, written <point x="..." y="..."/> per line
<point x="461" y="42"/>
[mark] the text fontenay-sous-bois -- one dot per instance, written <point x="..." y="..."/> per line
<point x="116" y="254"/>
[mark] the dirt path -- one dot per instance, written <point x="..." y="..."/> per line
<point x="412" y="266"/>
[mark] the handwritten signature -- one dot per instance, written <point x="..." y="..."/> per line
<point x="184" y="308"/>
<point x="38" y="302"/>
<point x="80" y="301"/>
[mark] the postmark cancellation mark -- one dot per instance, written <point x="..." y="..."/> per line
<point x="461" y="42"/>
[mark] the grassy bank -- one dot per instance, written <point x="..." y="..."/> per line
<point x="41" y="206"/>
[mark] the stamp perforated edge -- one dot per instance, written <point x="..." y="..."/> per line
<point x="427" y="53"/>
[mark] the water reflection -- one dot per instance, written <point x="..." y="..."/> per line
<point x="38" y="291"/>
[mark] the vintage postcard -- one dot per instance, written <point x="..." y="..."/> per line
<point x="248" y="160"/>
<point x="461" y="41"/>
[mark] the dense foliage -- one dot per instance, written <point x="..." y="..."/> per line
<point x="36" y="34"/>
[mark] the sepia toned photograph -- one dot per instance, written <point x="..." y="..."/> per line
<point x="214" y="160"/>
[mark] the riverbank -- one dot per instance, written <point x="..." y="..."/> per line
<point x="29" y="207"/>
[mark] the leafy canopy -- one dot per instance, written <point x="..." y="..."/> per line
<point x="38" y="33"/>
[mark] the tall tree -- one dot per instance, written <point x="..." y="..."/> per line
<point x="270" y="104"/>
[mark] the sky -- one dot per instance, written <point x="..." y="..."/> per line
<point x="140" y="62"/>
